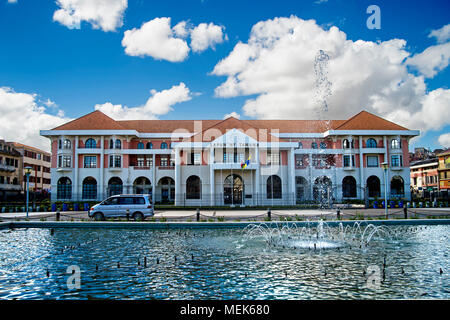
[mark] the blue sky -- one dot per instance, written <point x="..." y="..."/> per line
<point x="80" y="68"/>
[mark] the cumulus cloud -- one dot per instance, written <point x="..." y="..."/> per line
<point x="206" y="36"/>
<point x="276" y="65"/>
<point x="159" y="103"/>
<point x="444" y="140"/>
<point x="233" y="114"/>
<point x="156" y="38"/>
<point x="22" y="117"/>
<point x="431" y="60"/>
<point x="442" y="34"/>
<point x="12" y="1"/>
<point x="101" y="14"/>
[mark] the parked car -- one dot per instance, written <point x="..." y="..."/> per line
<point x="135" y="206"/>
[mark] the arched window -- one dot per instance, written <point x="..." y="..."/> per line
<point x="115" y="186"/>
<point x="274" y="190"/>
<point x="142" y="185"/>
<point x="314" y="145"/>
<point x="89" y="188"/>
<point x="300" y="145"/>
<point x="163" y="145"/>
<point x="347" y="144"/>
<point x="371" y="143"/>
<point x="149" y="145"/>
<point x="59" y="144"/>
<point x="64" y="189"/>
<point x="90" y="144"/>
<point x="323" y="145"/>
<point x="67" y="144"/>
<point x="193" y="187"/>
<point x="140" y="145"/>
<point x="395" y="144"/>
<point x="111" y="143"/>
<point x="118" y="144"/>
<point x="349" y="187"/>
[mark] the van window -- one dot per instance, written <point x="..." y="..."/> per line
<point x="125" y="200"/>
<point x="139" y="201"/>
<point x="111" y="201"/>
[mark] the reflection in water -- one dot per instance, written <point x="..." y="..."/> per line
<point x="224" y="263"/>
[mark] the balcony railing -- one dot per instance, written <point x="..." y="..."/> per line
<point x="5" y="167"/>
<point x="166" y="167"/>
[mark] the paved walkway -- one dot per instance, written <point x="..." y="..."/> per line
<point x="243" y="214"/>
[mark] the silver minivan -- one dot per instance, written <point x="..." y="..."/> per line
<point x="135" y="206"/>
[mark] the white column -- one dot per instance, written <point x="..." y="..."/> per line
<point x="386" y="159"/>
<point x="291" y="178"/>
<point x="257" y="177"/>
<point x="361" y="165"/>
<point x="102" y="161"/>
<point x="154" y="176"/>
<point x="76" y="188"/>
<point x="311" y="182"/>
<point x="211" y="174"/>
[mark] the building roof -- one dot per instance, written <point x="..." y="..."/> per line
<point x="24" y="146"/>
<point x="99" y="121"/>
<point x="444" y="153"/>
<point x="431" y="161"/>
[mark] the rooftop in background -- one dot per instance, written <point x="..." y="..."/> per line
<point x="444" y="153"/>
<point x="424" y="162"/>
<point x="21" y="145"/>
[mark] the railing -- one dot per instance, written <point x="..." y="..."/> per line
<point x="141" y="167"/>
<point x="5" y="167"/>
<point x="166" y="167"/>
<point x="6" y="186"/>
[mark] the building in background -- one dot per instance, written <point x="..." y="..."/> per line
<point x="40" y="162"/>
<point x="425" y="178"/>
<point x="200" y="162"/>
<point x="11" y="172"/>
<point x="444" y="173"/>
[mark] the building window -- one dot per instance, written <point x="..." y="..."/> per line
<point x="89" y="188"/>
<point x="396" y="160"/>
<point x="349" y="161"/>
<point x="193" y="187"/>
<point x="273" y="158"/>
<point x="59" y="144"/>
<point x="140" y="145"/>
<point x="149" y="145"/>
<point x="115" y="161"/>
<point x="115" y="186"/>
<point x="347" y="144"/>
<point x="140" y="161"/>
<point x="274" y="190"/>
<point x="67" y="144"/>
<point x="314" y="145"/>
<point x="371" y="143"/>
<point x="300" y="145"/>
<point x="64" y="161"/>
<point x="349" y="187"/>
<point x="372" y="161"/>
<point x="90" y="161"/>
<point x="149" y="162"/>
<point x="64" y="189"/>
<point x="118" y="144"/>
<point x="90" y="144"/>
<point x="395" y="144"/>
<point x="164" y="161"/>
<point x="299" y="161"/>
<point x="163" y="145"/>
<point x="323" y="145"/>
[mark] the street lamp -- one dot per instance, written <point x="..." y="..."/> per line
<point x="385" y="167"/>
<point x="27" y="173"/>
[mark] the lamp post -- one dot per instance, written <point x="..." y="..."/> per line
<point x="385" y="167"/>
<point x="27" y="173"/>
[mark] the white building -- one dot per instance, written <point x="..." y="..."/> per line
<point x="199" y="162"/>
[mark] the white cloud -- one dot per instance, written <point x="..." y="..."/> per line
<point x="156" y="39"/>
<point x="22" y="118"/>
<point x="276" y="65"/>
<point x="442" y="34"/>
<point x="159" y="103"/>
<point x="444" y="140"/>
<point x="431" y="60"/>
<point x="181" y="29"/>
<point x="205" y="36"/>
<point x="101" y="14"/>
<point x="232" y="114"/>
<point x="12" y="1"/>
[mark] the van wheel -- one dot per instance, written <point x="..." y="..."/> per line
<point x="138" y="216"/>
<point x="98" y="216"/>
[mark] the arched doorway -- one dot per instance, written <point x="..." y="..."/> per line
<point x="233" y="188"/>
<point x="373" y="186"/>
<point x="349" y="187"/>
<point x="302" y="189"/>
<point x="64" y="189"/>
<point x="142" y="185"/>
<point x="193" y="187"/>
<point x="167" y="185"/>
<point x="115" y="186"/>
<point x="322" y="189"/>
<point x="397" y="187"/>
<point x="274" y="188"/>
<point x="89" y="191"/>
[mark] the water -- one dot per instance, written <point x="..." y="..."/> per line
<point x="225" y="263"/>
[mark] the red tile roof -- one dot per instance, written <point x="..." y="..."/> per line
<point x="368" y="121"/>
<point x="96" y="120"/>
